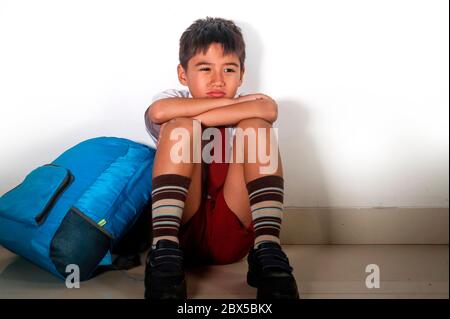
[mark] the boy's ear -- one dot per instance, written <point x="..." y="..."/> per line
<point x="181" y="75"/>
<point x="242" y="76"/>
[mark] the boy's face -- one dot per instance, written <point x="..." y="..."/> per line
<point x="212" y="75"/>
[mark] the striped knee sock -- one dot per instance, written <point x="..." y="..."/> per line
<point x="168" y="197"/>
<point x="266" y="202"/>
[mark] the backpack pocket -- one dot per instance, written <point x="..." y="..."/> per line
<point x="32" y="200"/>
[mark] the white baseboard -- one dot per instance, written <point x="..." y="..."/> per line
<point x="392" y="225"/>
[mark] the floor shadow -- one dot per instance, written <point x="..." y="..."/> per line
<point x="197" y="274"/>
<point x="22" y="270"/>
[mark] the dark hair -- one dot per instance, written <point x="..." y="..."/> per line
<point x="203" y="32"/>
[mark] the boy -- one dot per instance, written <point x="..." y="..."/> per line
<point x="216" y="213"/>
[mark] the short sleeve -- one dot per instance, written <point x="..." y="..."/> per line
<point x="170" y="93"/>
<point x="153" y="128"/>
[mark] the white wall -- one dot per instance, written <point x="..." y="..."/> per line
<point x="362" y="87"/>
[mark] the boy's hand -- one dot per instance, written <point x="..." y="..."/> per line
<point x="252" y="97"/>
<point x="257" y="96"/>
<point x="160" y="133"/>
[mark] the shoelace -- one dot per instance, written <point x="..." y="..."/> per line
<point x="273" y="258"/>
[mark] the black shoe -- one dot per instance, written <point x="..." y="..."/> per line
<point x="164" y="273"/>
<point x="270" y="272"/>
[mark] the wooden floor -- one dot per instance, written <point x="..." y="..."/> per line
<point x="322" y="271"/>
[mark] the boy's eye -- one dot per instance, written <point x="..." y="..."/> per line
<point x="227" y="70"/>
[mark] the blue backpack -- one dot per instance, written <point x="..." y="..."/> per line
<point x="77" y="209"/>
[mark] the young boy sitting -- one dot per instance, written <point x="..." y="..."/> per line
<point x="219" y="211"/>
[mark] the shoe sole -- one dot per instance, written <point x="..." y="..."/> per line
<point x="176" y="292"/>
<point x="253" y="282"/>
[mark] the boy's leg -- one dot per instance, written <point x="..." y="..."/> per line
<point x="172" y="194"/>
<point x="269" y="268"/>
<point x="176" y="191"/>
<point x="262" y="207"/>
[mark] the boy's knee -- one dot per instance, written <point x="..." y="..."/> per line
<point x="182" y="122"/>
<point x="253" y="122"/>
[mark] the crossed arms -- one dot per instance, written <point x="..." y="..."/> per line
<point x="215" y="111"/>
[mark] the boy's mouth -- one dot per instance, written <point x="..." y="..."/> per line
<point x="216" y="93"/>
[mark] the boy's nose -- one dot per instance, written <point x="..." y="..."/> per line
<point x="217" y="79"/>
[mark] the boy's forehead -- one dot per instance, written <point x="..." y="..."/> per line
<point x="214" y="55"/>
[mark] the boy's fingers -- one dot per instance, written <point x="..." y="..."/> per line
<point x="250" y="97"/>
<point x="160" y="132"/>
<point x="255" y="96"/>
<point x="262" y="96"/>
<point x="267" y="97"/>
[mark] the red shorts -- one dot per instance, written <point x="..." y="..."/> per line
<point x="214" y="234"/>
